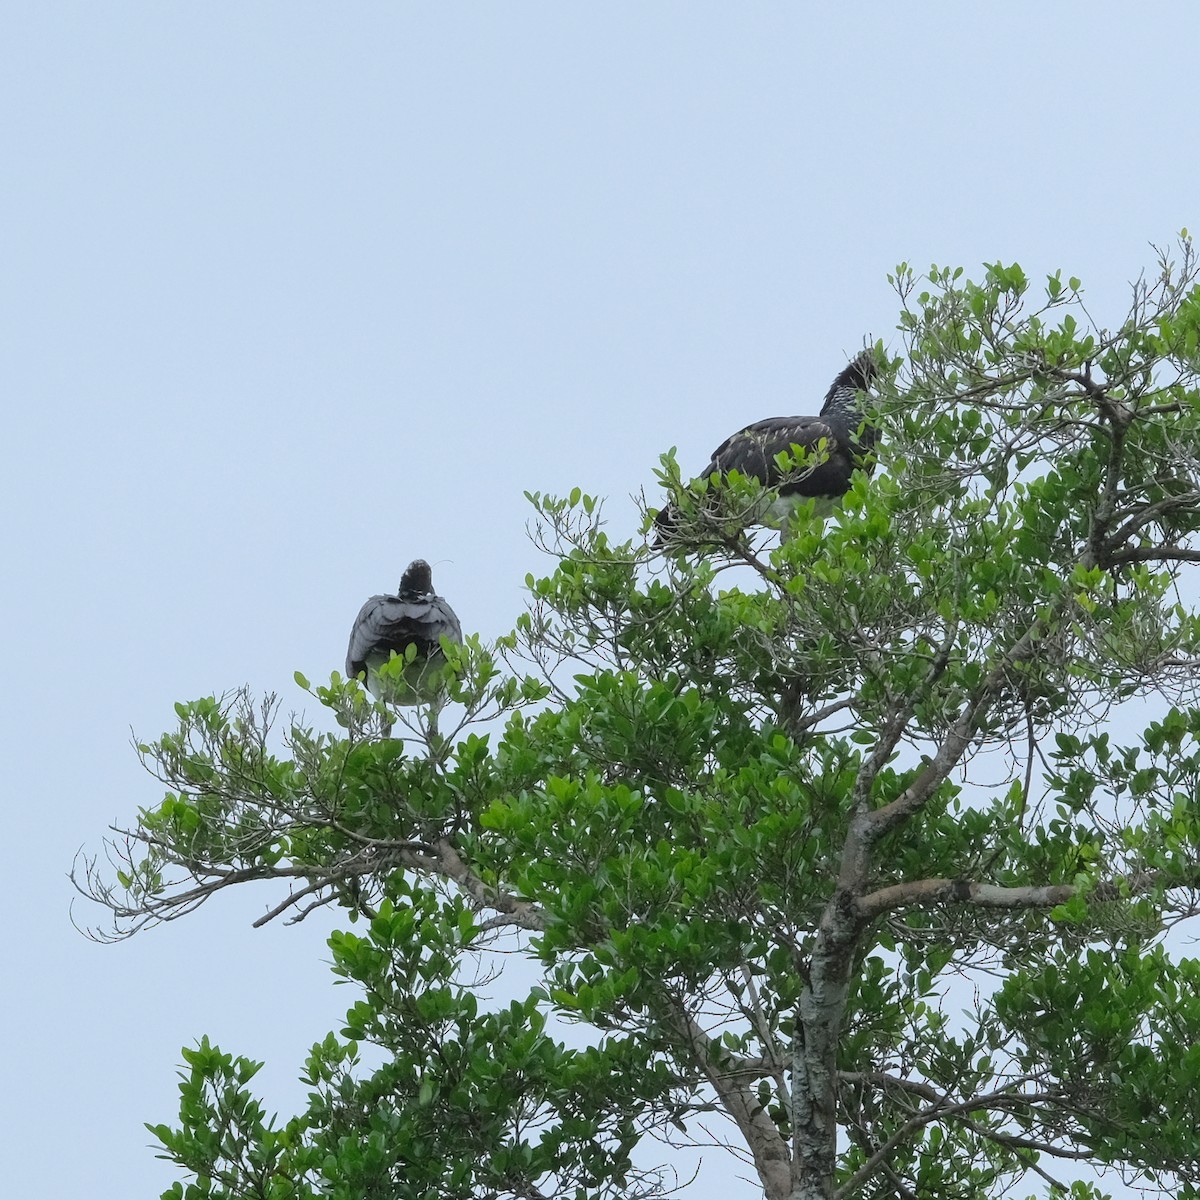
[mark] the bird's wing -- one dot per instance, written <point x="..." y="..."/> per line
<point x="365" y="634"/>
<point x="752" y="451"/>
<point x="387" y="623"/>
<point x="443" y="621"/>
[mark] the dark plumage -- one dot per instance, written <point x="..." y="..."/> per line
<point x="849" y="437"/>
<point x="414" y="616"/>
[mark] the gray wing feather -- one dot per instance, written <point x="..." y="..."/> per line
<point x="387" y="623"/>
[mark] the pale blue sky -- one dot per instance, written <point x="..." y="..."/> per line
<point x="293" y="293"/>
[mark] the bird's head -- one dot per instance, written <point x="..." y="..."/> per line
<point x="417" y="579"/>
<point x="861" y="369"/>
<point x="855" y="377"/>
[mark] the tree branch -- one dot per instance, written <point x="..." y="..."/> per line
<point x="958" y="739"/>
<point x="939" y="1110"/>
<point x="921" y="892"/>
<point x="925" y="892"/>
<point x="757" y="1127"/>
<point x="1153" y="554"/>
<point x="447" y="862"/>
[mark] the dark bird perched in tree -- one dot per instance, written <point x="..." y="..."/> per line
<point x="415" y="616"/>
<point x="834" y="443"/>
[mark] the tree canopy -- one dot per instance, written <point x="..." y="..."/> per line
<point x="838" y="848"/>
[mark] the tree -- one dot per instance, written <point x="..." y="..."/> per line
<point x="827" y="846"/>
